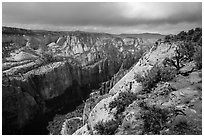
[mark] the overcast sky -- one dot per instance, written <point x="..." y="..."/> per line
<point x="122" y="17"/>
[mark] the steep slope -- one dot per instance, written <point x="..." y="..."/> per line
<point x="164" y="110"/>
<point x="123" y="85"/>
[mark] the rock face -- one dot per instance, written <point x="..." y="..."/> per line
<point x="43" y="71"/>
<point x="106" y="86"/>
<point x="176" y="95"/>
<point x="45" y="83"/>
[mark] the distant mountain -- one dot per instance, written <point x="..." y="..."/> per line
<point x="11" y="30"/>
<point x="19" y="31"/>
<point x="145" y="35"/>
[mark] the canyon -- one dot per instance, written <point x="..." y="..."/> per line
<point x="83" y="83"/>
<point x="47" y="72"/>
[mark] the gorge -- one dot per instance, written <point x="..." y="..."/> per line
<point x="45" y="73"/>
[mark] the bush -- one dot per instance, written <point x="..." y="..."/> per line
<point x="107" y="128"/>
<point x="124" y="100"/>
<point x="154" y="120"/>
<point x="150" y="78"/>
<point x="198" y="57"/>
<point x="167" y="73"/>
<point x="157" y="120"/>
<point x="154" y="76"/>
<point x="183" y="128"/>
<point x="180" y="128"/>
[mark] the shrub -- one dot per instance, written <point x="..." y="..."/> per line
<point x="124" y="100"/>
<point x="167" y="73"/>
<point x="184" y="128"/>
<point x="157" y="120"/>
<point x="150" y="78"/>
<point x="154" y="76"/>
<point x="154" y="119"/>
<point x="107" y="128"/>
<point x="198" y="57"/>
<point x="180" y="128"/>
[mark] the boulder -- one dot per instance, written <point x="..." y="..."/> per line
<point x="188" y="68"/>
<point x="195" y="77"/>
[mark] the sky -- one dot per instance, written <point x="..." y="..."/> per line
<point x="111" y="17"/>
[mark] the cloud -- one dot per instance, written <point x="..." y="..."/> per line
<point x="103" y="15"/>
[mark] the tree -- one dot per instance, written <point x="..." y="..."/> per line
<point x="176" y="61"/>
<point x="183" y="53"/>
